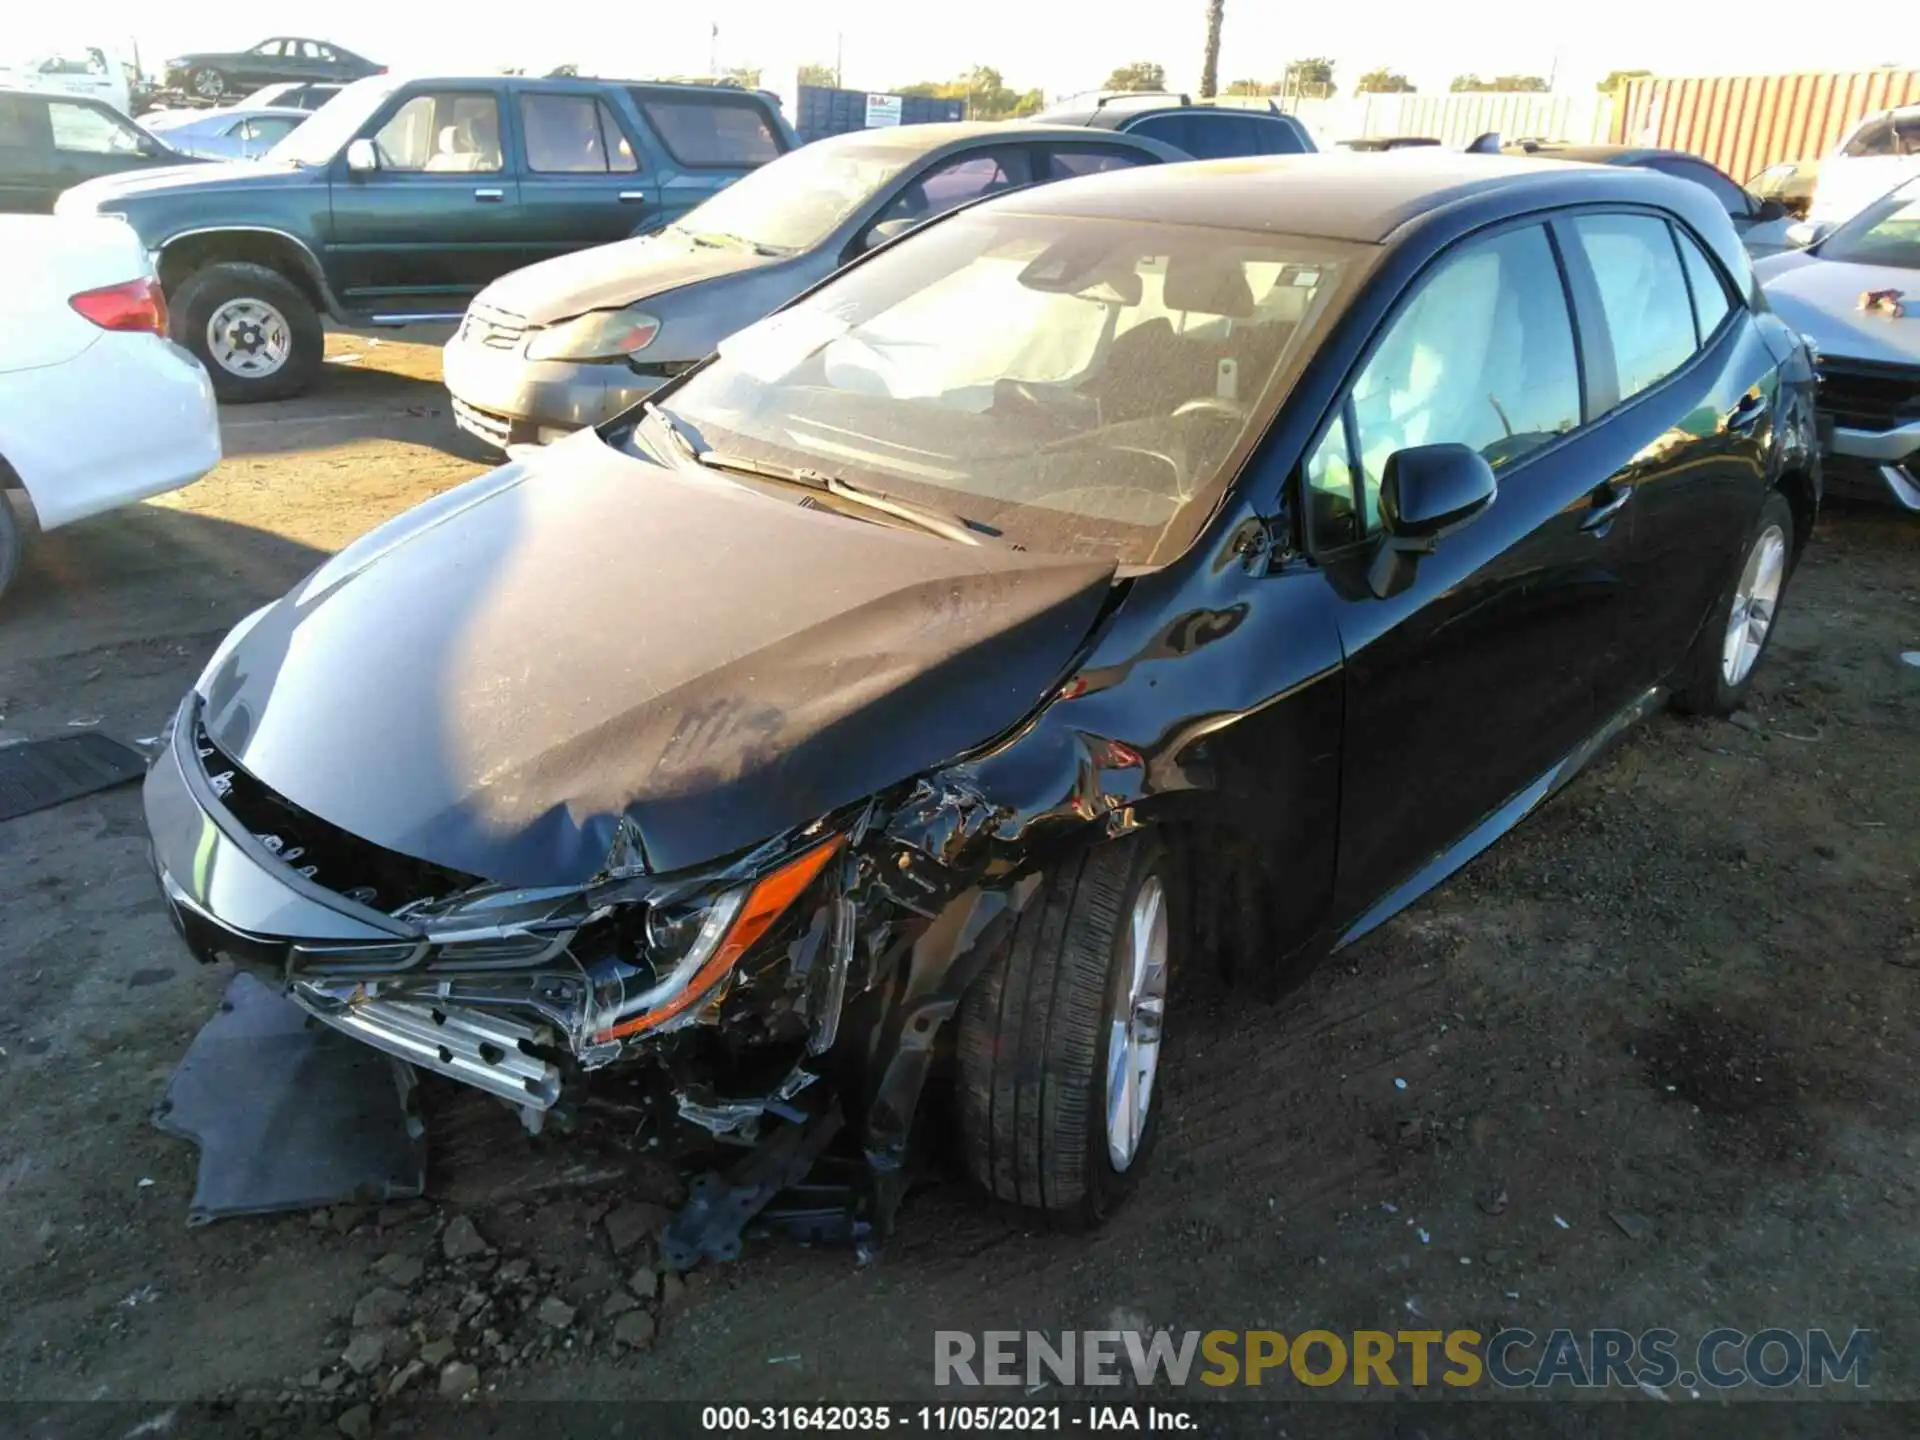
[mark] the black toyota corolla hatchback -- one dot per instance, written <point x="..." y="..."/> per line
<point x="1179" y="568"/>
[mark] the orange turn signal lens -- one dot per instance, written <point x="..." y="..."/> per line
<point x="769" y="899"/>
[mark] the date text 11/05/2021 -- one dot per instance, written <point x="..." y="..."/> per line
<point x="993" y="1419"/>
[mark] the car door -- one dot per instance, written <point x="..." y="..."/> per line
<point x="1467" y="686"/>
<point x="1691" y="388"/>
<point x="439" y="218"/>
<point x="29" y="179"/>
<point x="263" y="64"/>
<point x="581" y="181"/>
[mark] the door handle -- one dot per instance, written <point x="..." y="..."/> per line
<point x="633" y="197"/>
<point x="489" y="194"/>
<point x="1747" y="412"/>
<point x="1608" y="501"/>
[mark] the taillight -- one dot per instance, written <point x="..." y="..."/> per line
<point x="136" y="305"/>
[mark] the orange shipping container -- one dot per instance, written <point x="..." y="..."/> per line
<point x="1744" y="123"/>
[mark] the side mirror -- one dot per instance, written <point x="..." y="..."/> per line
<point x="888" y="230"/>
<point x="1427" y="493"/>
<point x="362" y="158"/>
<point x="1769" y="209"/>
<point x="1808" y="232"/>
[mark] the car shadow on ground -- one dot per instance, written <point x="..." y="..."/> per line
<point x="354" y="402"/>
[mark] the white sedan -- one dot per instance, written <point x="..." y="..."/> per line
<point x="240" y="133"/>
<point x="98" y="408"/>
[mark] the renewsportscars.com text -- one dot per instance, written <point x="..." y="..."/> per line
<point x="1722" y="1358"/>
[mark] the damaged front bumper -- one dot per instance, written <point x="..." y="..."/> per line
<point x="515" y="992"/>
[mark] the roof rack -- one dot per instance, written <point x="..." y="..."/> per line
<point x="1119" y="95"/>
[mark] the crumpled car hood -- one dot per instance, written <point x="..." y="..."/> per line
<point x="1821" y="299"/>
<point x="493" y="680"/>
<point x="618" y="274"/>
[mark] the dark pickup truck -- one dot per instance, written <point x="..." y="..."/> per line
<point x="403" y="197"/>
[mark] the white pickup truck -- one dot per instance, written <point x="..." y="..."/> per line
<point x="98" y="408"/>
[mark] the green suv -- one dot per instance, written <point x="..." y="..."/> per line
<point x="403" y="196"/>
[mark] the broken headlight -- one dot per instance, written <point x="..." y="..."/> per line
<point x="695" y="944"/>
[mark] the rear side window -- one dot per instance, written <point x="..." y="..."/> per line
<point x="1710" y="303"/>
<point x="1643" y="295"/>
<point x="1205" y="137"/>
<point x="718" y="131"/>
<point x="573" y="135"/>
<point x="1481" y="356"/>
<point x="1065" y="162"/>
<point x="1277" y="137"/>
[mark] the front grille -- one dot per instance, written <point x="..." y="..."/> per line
<point x="324" y="853"/>
<point x="497" y="429"/>
<point x="1864" y="396"/>
<point x="496" y="329"/>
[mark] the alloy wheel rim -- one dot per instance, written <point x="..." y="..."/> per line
<point x="209" y="85"/>
<point x="1134" y="1023"/>
<point x="1755" y="601"/>
<point x="249" y="338"/>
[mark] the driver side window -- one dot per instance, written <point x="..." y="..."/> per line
<point x="1482" y="356"/>
<point x="953" y="183"/>
<point x="442" y="133"/>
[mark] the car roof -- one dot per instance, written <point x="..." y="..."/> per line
<point x="921" y="139"/>
<point x="1344" y="196"/>
<point x="556" y="82"/>
<point x="1121" y="110"/>
<point x="1598" y="154"/>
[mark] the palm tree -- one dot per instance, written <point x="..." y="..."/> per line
<point x="1210" y="57"/>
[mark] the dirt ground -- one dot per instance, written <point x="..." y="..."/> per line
<point x="1659" y="1049"/>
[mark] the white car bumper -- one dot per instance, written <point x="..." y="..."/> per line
<point x="130" y="416"/>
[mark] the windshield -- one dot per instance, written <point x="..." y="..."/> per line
<point x="1077" y="385"/>
<point x="1885" y="233"/>
<point x="336" y="122"/>
<point x="795" y="202"/>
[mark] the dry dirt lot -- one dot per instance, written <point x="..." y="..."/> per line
<point x="1658" y="1051"/>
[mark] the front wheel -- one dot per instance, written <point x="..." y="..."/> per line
<point x="207" y="83"/>
<point x="1060" y="1040"/>
<point x="1730" y="645"/>
<point x="257" y="334"/>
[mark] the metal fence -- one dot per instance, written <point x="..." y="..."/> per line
<point x="1451" y="119"/>
<point x="1744" y="123"/>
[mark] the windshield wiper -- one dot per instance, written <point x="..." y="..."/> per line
<point x="945" y="524"/>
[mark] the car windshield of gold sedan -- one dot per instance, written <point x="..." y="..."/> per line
<point x="1075" y="385"/>
<point x="795" y="202"/>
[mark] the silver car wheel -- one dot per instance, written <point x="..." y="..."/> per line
<point x="1134" y="1023"/>
<point x="1755" y="600"/>
<point x="249" y="338"/>
<point x="209" y="84"/>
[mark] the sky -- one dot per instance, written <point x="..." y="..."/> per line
<point x="1058" y="46"/>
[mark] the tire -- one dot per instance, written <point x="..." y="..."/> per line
<point x="13" y="539"/>
<point x="1706" y="685"/>
<point x="1036" y="1032"/>
<point x="269" y="312"/>
<point x="207" y="83"/>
